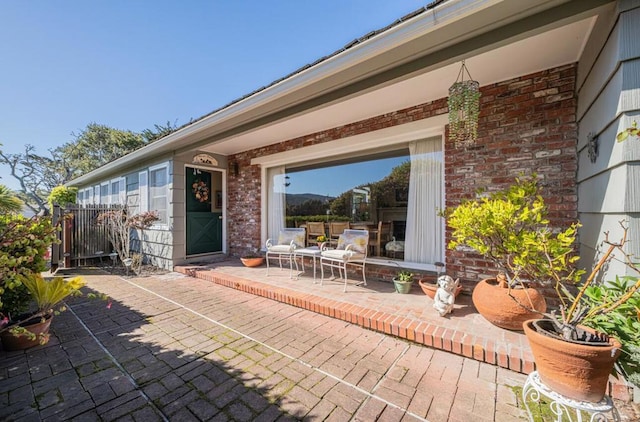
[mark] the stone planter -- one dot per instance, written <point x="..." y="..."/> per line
<point x="496" y="306"/>
<point x="578" y="370"/>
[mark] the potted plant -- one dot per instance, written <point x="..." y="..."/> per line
<point x="24" y="242"/>
<point x="621" y="322"/>
<point x="31" y="329"/>
<point x="576" y="348"/>
<point x="507" y="227"/>
<point x="23" y="245"/>
<point x="252" y="259"/>
<point x="403" y="281"/>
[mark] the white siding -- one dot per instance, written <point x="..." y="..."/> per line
<point x="608" y="101"/>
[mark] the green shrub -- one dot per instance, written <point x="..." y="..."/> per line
<point x="297" y="220"/>
<point x="510" y="227"/>
<point x="621" y="322"/>
<point x="62" y="196"/>
<point x="23" y="244"/>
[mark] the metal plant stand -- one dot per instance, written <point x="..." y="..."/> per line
<point x="565" y="408"/>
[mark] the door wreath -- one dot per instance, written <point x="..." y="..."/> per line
<point x="200" y="190"/>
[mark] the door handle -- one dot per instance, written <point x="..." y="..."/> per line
<point x="219" y="217"/>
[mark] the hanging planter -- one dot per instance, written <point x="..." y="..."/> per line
<point x="464" y="109"/>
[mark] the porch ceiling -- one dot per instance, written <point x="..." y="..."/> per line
<point x="555" y="47"/>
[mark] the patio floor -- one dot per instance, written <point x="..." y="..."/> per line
<point x="378" y="307"/>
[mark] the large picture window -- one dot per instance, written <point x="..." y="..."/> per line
<point x="398" y="191"/>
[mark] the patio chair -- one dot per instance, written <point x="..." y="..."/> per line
<point x="314" y="229"/>
<point x="288" y="241"/>
<point x="380" y="237"/>
<point x="351" y="250"/>
<point x="336" y="228"/>
<point x="394" y="248"/>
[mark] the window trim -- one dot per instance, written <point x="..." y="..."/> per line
<point x="393" y="136"/>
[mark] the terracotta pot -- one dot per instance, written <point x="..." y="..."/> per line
<point x="579" y="371"/>
<point x="40" y="329"/>
<point x="429" y="288"/>
<point x="252" y="262"/>
<point x="496" y="306"/>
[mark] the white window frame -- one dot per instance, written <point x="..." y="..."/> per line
<point x="147" y="193"/>
<point x="354" y="145"/>
<point x="116" y="198"/>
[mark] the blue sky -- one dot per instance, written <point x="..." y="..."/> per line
<point x="133" y="64"/>
<point x="332" y="181"/>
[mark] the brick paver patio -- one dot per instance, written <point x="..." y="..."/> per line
<point x="179" y="348"/>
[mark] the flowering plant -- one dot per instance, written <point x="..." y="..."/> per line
<point x="321" y="239"/>
<point x="200" y="190"/>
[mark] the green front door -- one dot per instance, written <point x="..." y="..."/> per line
<point x="203" y="221"/>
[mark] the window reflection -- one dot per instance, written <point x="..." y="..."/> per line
<point x="363" y="192"/>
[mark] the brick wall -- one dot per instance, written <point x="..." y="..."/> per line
<point x="527" y="124"/>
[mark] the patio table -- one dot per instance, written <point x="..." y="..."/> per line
<point x="313" y="252"/>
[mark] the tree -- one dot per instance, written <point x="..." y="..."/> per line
<point x="37" y="175"/>
<point x="98" y="145"/>
<point x="93" y="147"/>
<point x="160" y="131"/>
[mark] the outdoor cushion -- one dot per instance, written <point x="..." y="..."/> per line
<point x="295" y="235"/>
<point x="280" y="248"/>
<point x="342" y="254"/>
<point x="354" y="238"/>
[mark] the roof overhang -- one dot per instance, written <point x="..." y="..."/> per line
<point x="410" y="63"/>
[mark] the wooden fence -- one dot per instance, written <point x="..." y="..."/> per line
<point x="81" y="237"/>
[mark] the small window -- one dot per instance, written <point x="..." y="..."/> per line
<point x="158" y="188"/>
<point x="115" y="192"/>
<point x="133" y="194"/>
<point x="104" y="193"/>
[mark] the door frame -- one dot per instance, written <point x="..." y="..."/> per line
<point x="212" y="170"/>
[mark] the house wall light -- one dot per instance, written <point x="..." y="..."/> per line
<point x="234" y="168"/>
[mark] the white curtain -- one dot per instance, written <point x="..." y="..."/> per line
<point x="424" y="238"/>
<point x="276" y="201"/>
